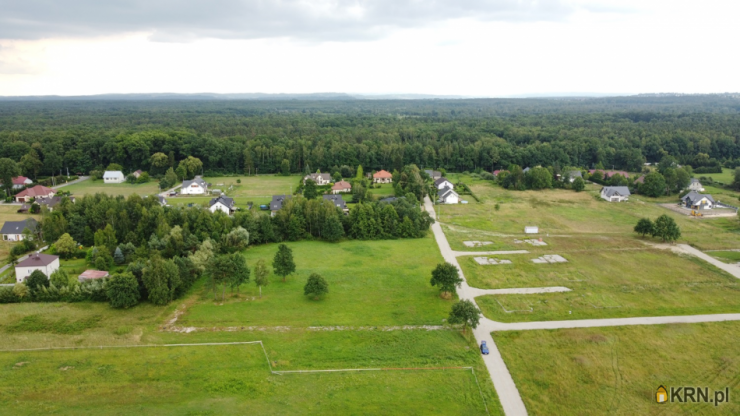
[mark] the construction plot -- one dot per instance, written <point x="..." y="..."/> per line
<point x="485" y="261"/>
<point x="549" y="258"/>
<point x="531" y="242"/>
<point x="477" y="243"/>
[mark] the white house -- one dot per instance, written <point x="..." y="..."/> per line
<point x="531" y="229"/>
<point x="13" y="230"/>
<point x="341" y="187"/>
<point x="615" y="193"/>
<point x="195" y="187"/>
<point x="448" y="196"/>
<point x="223" y="204"/>
<point x="382" y="176"/>
<point x="443" y="183"/>
<point x="113" y="176"/>
<point x="46" y="263"/>
<point x="20" y="181"/>
<point x="695" y="185"/>
<point x="572" y="175"/>
<point x="321" y="179"/>
<point x="695" y="200"/>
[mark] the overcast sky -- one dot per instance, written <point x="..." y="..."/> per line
<point x="453" y="47"/>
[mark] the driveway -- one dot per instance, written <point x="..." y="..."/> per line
<point x="78" y="180"/>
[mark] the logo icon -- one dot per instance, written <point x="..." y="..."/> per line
<point x="661" y="396"/>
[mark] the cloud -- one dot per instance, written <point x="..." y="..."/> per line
<point x="311" y="20"/>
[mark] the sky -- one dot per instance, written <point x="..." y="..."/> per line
<point x="480" y="48"/>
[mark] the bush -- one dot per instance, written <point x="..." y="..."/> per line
<point x="37" y="280"/>
<point x="123" y="291"/>
<point x="7" y="295"/>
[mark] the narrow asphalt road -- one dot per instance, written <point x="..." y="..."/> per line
<point x="507" y="392"/>
<point x="592" y="323"/>
<point x="78" y="180"/>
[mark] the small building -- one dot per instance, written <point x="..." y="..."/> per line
<point x="695" y="185"/>
<point x="338" y="202"/>
<point x="695" y="200"/>
<point x="527" y="169"/>
<point x="434" y="174"/>
<point x="531" y="229"/>
<point x="196" y="186"/>
<point x="137" y="174"/>
<point x="19" y="182"/>
<point x="13" y="230"/>
<point x="341" y="187"/>
<point x="572" y="175"/>
<point x="223" y="204"/>
<point x="615" y="193"/>
<point x="321" y="179"/>
<point x="448" y="196"/>
<point x="38" y="191"/>
<point x="382" y="176"/>
<point x="113" y="176"/>
<point x="277" y="203"/>
<point x="162" y="201"/>
<point x="46" y="263"/>
<point x="88" y="275"/>
<point x="443" y="183"/>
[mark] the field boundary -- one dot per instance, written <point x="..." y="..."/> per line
<point x="267" y="358"/>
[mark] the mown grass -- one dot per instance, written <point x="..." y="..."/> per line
<point x="726" y="256"/>
<point x="370" y="283"/>
<point x="617" y="370"/>
<point x="565" y="212"/>
<point x="216" y="380"/>
<point x="261" y="186"/>
<point x="605" y="284"/>
<point x="90" y="187"/>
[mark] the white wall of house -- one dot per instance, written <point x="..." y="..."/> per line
<point x="113" y="177"/>
<point x="220" y="207"/>
<point x="451" y="198"/>
<point x="12" y="237"/>
<point x="193" y="189"/>
<point x="382" y="180"/>
<point x="21" y="273"/>
<point x="445" y="184"/>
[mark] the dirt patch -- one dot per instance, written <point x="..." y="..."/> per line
<point x="20" y="364"/>
<point x="65" y="368"/>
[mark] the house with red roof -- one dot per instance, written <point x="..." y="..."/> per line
<point x="382" y="176"/>
<point x="341" y="187"/>
<point x="38" y="191"/>
<point x="19" y="182"/>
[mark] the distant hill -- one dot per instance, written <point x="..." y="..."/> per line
<point x="175" y="96"/>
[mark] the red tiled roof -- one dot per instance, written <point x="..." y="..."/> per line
<point x="19" y="180"/>
<point x="93" y="274"/>
<point x="341" y="185"/>
<point x="38" y="190"/>
<point x="382" y="174"/>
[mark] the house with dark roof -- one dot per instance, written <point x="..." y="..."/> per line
<point x="695" y="185"/>
<point x="52" y="202"/>
<point x="321" y="179"/>
<point x="162" y="201"/>
<point x="197" y="186"/>
<point x="13" y="230"/>
<point x="695" y="200"/>
<point x="448" y="196"/>
<point x="338" y="202"/>
<point x="277" y="203"/>
<point x="45" y="263"/>
<point x="434" y="174"/>
<point x="442" y="183"/>
<point x="223" y="204"/>
<point x="38" y="191"/>
<point x="615" y="193"/>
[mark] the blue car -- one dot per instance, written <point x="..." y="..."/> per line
<point x="483" y="348"/>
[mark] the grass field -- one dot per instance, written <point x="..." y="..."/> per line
<point x="370" y="283"/>
<point x="726" y="256"/>
<point x="90" y="187"/>
<point x="564" y="212"/>
<point x="605" y="284"/>
<point x="215" y="380"/>
<point x="618" y="370"/>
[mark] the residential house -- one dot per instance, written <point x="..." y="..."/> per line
<point x="695" y="185"/>
<point x="448" y="196"/>
<point x="572" y="175"/>
<point x="695" y="200"/>
<point x="162" y="201"/>
<point x="19" y="182"/>
<point x="338" y="202"/>
<point x="442" y="183"/>
<point x="341" y="187"/>
<point x="321" y="179"/>
<point x="382" y="176"/>
<point x="13" y="230"/>
<point x="113" y="176"/>
<point x="434" y="174"/>
<point x="223" y="204"/>
<point x="38" y="191"/>
<point x="531" y="229"/>
<point x="196" y="186"/>
<point x="52" y="202"/>
<point x="615" y="193"/>
<point x="137" y="174"/>
<point x="92" y="275"/>
<point x="277" y="203"/>
<point x="46" y="263"/>
<point x="527" y="169"/>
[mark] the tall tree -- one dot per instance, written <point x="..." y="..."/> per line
<point x="261" y="274"/>
<point x="309" y="190"/>
<point x="447" y="277"/>
<point x="667" y="229"/>
<point x="161" y="278"/>
<point x="466" y="313"/>
<point x="65" y="246"/>
<point x="8" y="170"/>
<point x="283" y="263"/>
<point x="644" y="227"/>
<point x="316" y="286"/>
<point x="122" y="290"/>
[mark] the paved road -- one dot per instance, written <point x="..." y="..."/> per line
<point x="80" y="179"/>
<point x="591" y="323"/>
<point x="507" y="392"/>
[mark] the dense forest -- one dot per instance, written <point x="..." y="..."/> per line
<point x="456" y="135"/>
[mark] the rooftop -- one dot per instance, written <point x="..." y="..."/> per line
<point x="38" y="260"/>
<point x="17" y="227"/>
<point x="93" y="274"/>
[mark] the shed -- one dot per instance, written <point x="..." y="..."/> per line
<point x="92" y="275"/>
<point x="531" y="229"/>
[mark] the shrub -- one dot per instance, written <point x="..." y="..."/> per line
<point x="123" y="291"/>
<point x="37" y="280"/>
<point x="7" y="295"/>
<point x="316" y="286"/>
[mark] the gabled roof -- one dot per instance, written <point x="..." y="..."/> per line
<point x="432" y="173"/>
<point x="341" y="185"/>
<point x="139" y="171"/>
<point x="383" y="174"/>
<point x="17" y="227"/>
<point x="445" y="192"/>
<point x="112" y="174"/>
<point x="38" y="190"/>
<point x="162" y="200"/>
<point x="198" y="180"/>
<point x="21" y="180"/>
<point x="314" y="176"/>
<point x="37" y="260"/>
<point x="610" y="191"/>
<point x="337" y="200"/>
<point x="694" y="180"/>
<point x="277" y="201"/>
<point x="224" y="200"/>
<point x="53" y="201"/>
<point x="440" y="181"/>
<point x="694" y="196"/>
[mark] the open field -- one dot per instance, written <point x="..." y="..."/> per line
<point x="605" y="284"/>
<point x="370" y="283"/>
<point x="215" y="379"/>
<point x="726" y="256"/>
<point x="90" y="187"/>
<point x="565" y="212"/>
<point x="617" y="370"/>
